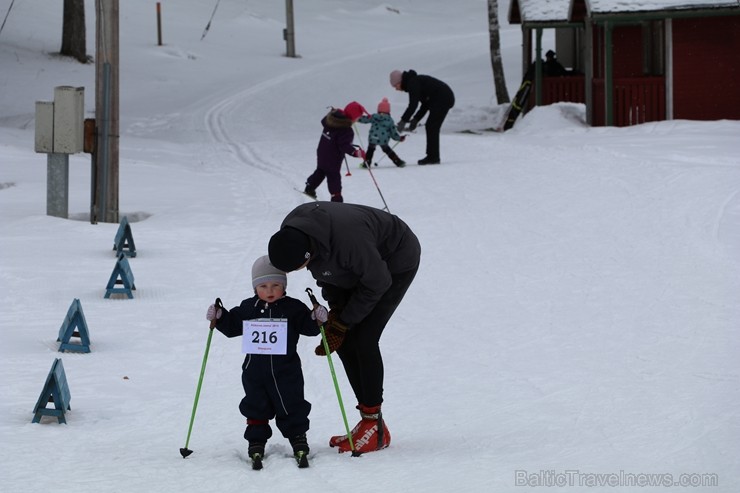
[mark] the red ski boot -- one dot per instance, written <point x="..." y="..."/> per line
<point x="369" y="435"/>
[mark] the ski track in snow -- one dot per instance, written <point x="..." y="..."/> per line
<point x="220" y="114"/>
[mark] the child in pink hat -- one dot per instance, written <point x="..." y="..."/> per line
<point x="382" y="130"/>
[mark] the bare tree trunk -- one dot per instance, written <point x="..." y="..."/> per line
<point x="499" y="81"/>
<point x="73" y="30"/>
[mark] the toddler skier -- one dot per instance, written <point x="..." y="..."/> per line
<point x="382" y="129"/>
<point x="271" y="373"/>
<point x="336" y="141"/>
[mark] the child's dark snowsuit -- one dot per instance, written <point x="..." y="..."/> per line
<point x="273" y="384"/>
<point x="336" y="141"/>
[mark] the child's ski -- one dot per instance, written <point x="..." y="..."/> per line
<point x="302" y="459"/>
<point x="304" y="193"/>
<point x="256" y="461"/>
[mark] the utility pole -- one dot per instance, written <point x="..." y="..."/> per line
<point x="289" y="32"/>
<point x="104" y="206"/>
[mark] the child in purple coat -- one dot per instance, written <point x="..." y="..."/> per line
<point x="336" y="141"/>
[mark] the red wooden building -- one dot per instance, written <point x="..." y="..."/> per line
<point x="637" y="61"/>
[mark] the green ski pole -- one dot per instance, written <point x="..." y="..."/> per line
<point x="334" y="377"/>
<point x="185" y="451"/>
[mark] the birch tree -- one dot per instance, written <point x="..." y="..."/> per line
<point x="499" y="81"/>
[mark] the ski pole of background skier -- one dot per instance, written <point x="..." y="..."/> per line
<point x="348" y="173"/>
<point x="208" y="26"/>
<point x="185" y="451"/>
<point x="362" y="146"/>
<point x="315" y="303"/>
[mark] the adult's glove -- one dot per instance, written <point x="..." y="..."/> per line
<point x="335" y="330"/>
<point x="320" y="314"/>
<point x="359" y="153"/>
<point x="401" y="126"/>
<point x="213" y="313"/>
<point x="412" y="126"/>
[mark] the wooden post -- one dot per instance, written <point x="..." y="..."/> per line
<point x="289" y="29"/>
<point x="589" y="73"/>
<point x="105" y="208"/>
<point x="608" y="75"/>
<point x="538" y="67"/>
<point x="159" y="24"/>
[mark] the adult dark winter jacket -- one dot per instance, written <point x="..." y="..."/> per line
<point x="427" y="91"/>
<point x="357" y="249"/>
<point x="299" y="323"/>
<point x="336" y="140"/>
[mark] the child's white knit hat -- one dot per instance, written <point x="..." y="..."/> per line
<point x="263" y="271"/>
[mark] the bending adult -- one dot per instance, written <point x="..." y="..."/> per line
<point x="429" y="95"/>
<point x="364" y="261"/>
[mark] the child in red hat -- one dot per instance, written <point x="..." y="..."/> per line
<point x="336" y="141"/>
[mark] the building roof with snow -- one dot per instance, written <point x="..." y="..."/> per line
<point x="549" y="11"/>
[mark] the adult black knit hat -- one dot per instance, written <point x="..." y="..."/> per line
<point x="289" y="249"/>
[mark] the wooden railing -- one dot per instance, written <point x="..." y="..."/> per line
<point x="569" y="88"/>
<point x="636" y="100"/>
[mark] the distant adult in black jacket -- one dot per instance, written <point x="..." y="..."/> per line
<point x="434" y="96"/>
<point x="552" y="67"/>
<point x="364" y="259"/>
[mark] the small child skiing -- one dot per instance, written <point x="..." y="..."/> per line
<point x="273" y="379"/>
<point x="382" y="129"/>
<point x="336" y="141"/>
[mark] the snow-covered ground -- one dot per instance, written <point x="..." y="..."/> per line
<point x="573" y="326"/>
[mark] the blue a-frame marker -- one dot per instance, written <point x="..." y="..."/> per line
<point x="75" y="319"/>
<point x="123" y="276"/>
<point x="123" y="243"/>
<point x="55" y="390"/>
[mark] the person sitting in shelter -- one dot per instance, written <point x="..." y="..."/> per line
<point x="552" y="67"/>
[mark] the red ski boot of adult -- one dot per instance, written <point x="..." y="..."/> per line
<point x="369" y="435"/>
